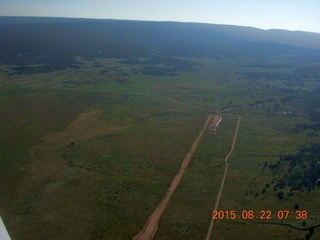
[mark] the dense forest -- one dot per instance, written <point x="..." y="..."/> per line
<point x="312" y="108"/>
<point x="59" y="40"/>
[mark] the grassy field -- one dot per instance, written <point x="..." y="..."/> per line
<point x="109" y="165"/>
<point x="262" y="138"/>
<point x="189" y="212"/>
<point x="88" y="153"/>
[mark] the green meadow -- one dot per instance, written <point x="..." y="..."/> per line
<point x="88" y="153"/>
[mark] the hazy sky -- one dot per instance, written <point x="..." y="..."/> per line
<point x="284" y="14"/>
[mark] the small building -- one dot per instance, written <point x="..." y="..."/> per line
<point x="215" y="122"/>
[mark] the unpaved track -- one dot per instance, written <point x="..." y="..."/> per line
<point x="224" y="176"/>
<point x="151" y="227"/>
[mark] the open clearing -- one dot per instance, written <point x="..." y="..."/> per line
<point x="92" y="158"/>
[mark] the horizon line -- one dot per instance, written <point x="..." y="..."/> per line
<point x="173" y="21"/>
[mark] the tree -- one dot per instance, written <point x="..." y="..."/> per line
<point x="280" y="195"/>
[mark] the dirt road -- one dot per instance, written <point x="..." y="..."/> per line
<point x="151" y="227"/>
<point x="224" y="176"/>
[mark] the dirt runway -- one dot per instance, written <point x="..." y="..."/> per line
<point x="151" y="227"/>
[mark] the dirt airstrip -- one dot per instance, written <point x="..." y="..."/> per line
<point x="151" y="227"/>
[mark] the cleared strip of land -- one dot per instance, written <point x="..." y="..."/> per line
<point x="151" y="227"/>
<point x="224" y="176"/>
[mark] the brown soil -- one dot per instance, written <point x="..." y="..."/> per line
<point x="86" y="125"/>
<point x="45" y="159"/>
<point x="151" y="227"/>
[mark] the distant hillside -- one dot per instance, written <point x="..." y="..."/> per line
<point x="31" y="20"/>
<point x="35" y="40"/>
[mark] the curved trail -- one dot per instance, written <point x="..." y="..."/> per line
<point x="138" y="94"/>
<point x="184" y="104"/>
<point x="224" y="176"/>
<point x="151" y="227"/>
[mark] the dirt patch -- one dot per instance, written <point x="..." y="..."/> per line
<point x="46" y="159"/>
<point x="86" y="125"/>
